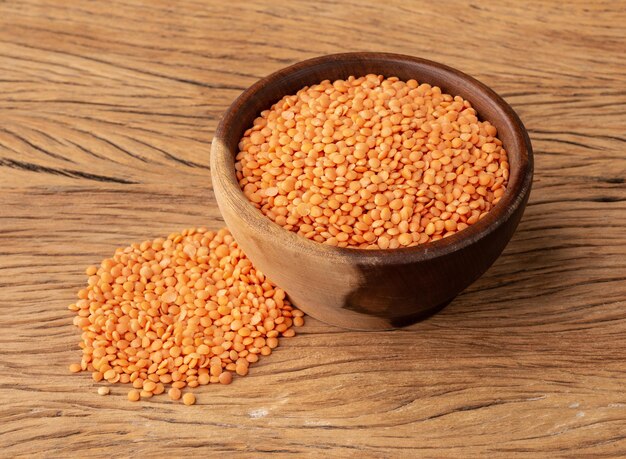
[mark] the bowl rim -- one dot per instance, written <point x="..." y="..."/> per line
<point x="223" y="173"/>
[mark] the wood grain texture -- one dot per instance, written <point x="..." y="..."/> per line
<point x="107" y="110"/>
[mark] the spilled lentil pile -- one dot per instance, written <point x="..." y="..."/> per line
<point x="178" y="312"/>
<point x="372" y="163"/>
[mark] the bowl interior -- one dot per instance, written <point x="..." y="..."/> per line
<point x="487" y="103"/>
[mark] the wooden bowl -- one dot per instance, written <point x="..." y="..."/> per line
<point x="370" y="289"/>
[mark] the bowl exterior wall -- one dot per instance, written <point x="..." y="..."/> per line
<point x="367" y="296"/>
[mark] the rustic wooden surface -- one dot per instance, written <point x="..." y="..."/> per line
<point x="106" y="116"/>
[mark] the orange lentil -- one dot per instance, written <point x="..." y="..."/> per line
<point x="159" y="389"/>
<point x="241" y="370"/>
<point x="104" y="391"/>
<point x="189" y="399"/>
<point x="149" y="386"/>
<point x="226" y="377"/>
<point x="181" y="311"/>
<point x="382" y="156"/>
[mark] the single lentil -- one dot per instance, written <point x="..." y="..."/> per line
<point x="174" y="393"/>
<point x="372" y="163"/>
<point x="181" y="311"/>
<point x="189" y="399"/>
<point x="104" y="390"/>
<point x="226" y="377"/>
<point x="75" y="367"/>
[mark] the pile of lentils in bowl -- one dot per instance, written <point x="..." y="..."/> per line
<point x="372" y="163"/>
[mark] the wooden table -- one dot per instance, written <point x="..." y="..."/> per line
<point x="106" y="116"/>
